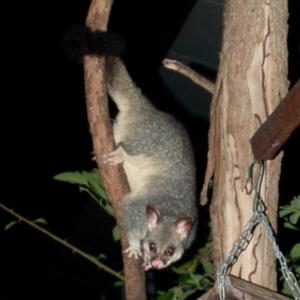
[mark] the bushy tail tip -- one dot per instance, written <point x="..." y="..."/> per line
<point x="79" y="41"/>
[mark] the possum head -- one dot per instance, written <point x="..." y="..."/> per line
<point x="165" y="239"/>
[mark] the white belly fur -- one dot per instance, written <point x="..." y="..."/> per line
<point x="139" y="170"/>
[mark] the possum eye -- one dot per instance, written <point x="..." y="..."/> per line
<point x="170" y="251"/>
<point x="152" y="247"/>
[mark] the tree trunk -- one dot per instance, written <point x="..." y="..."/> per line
<point x="252" y="80"/>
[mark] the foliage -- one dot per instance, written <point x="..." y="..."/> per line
<point x="12" y="223"/>
<point x="195" y="275"/>
<point x="291" y="214"/>
<point x="198" y="273"/>
<point x="91" y="183"/>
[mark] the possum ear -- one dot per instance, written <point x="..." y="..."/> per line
<point x="152" y="216"/>
<point x="78" y="41"/>
<point x="183" y="226"/>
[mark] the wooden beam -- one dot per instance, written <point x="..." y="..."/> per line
<point x="274" y="132"/>
<point x="252" y="291"/>
<point x="237" y="289"/>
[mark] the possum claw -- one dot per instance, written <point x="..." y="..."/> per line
<point x="114" y="158"/>
<point x="133" y="252"/>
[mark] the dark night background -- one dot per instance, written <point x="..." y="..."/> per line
<point x="47" y="132"/>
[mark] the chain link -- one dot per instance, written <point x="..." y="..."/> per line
<point x="245" y="237"/>
<point x="240" y="244"/>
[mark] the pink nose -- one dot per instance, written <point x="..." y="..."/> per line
<point x="157" y="263"/>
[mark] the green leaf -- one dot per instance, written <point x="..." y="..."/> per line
<point x="196" y="277"/>
<point x="286" y="291"/>
<point x="290" y="226"/>
<point x="187" y="294"/>
<point x="97" y="189"/>
<point x="41" y="220"/>
<point x="166" y="296"/>
<point x="101" y="256"/>
<point x="103" y="203"/>
<point x="295" y="252"/>
<point x="90" y="183"/>
<point x="96" y="175"/>
<point x="190" y="279"/>
<point x="185" y="279"/>
<point x="177" y="291"/>
<point x="184" y="268"/>
<point x="296" y="202"/>
<point x="294" y="217"/>
<point x="285" y="211"/>
<point x="107" y="207"/>
<point x="91" y="180"/>
<point x="72" y="177"/>
<point x="207" y="265"/>
<point x="193" y="265"/>
<point x="95" y="183"/>
<point x="9" y="225"/>
<point x="86" y="190"/>
<point x="119" y="283"/>
<point x="210" y="277"/>
<point x="204" y="251"/>
<point x="116" y="233"/>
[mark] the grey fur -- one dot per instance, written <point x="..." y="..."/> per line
<point x="158" y="161"/>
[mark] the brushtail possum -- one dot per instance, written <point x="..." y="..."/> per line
<point x="159" y="215"/>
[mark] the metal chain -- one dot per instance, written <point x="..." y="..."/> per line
<point x="287" y="274"/>
<point x="240" y="244"/>
<point x="245" y="237"/>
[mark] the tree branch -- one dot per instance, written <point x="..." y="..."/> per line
<point x="64" y="242"/>
<point x="113" y="177"/>
<point x="190" y="73"/>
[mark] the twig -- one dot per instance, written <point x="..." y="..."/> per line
<point x="190" y="73"/>
<point x="63" y="242"/>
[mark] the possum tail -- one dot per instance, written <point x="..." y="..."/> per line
<point x="79" y="41"/>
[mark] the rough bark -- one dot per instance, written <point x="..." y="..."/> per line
<point x="252" y="79"/>
<point x="113" y="177"/>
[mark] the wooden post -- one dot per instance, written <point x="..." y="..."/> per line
<point x="252" y="79"/>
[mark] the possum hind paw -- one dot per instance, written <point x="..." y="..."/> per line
<point x="146" y="265"/>
<point x="114" y="158"/>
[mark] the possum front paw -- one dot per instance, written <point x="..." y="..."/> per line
<point x="134" y="248"/>
<point x="114" y="158"/>
<point x="132" y="251"/>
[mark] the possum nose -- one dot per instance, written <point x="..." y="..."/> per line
<point x="157" y="263"/>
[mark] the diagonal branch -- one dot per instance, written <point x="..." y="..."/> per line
<point x="63" y="242"/>
<point x="113" y="177"/>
